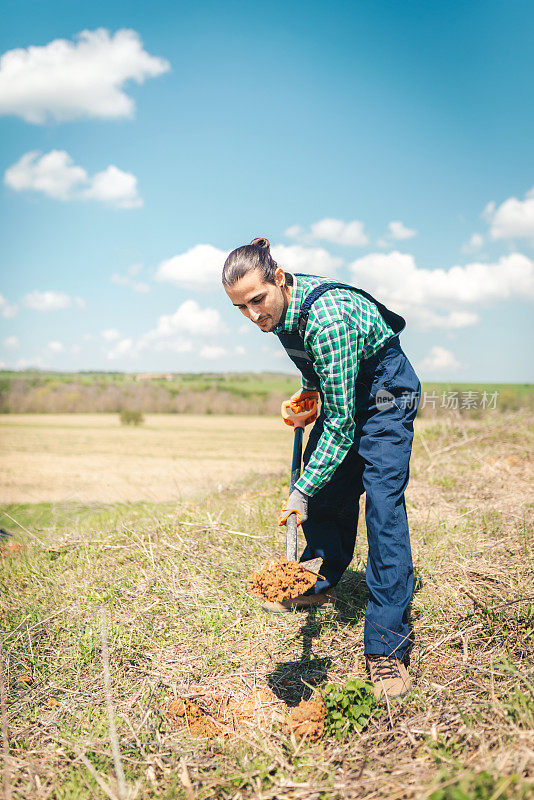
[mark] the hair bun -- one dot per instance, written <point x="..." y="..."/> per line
<point x="261" y="242"/>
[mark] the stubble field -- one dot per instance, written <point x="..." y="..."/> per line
<point x="90" y="458"/>
<point x="136" y="665"/>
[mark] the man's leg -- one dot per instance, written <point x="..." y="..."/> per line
<point x="385" y="445"/>
<point x="330" y="529"/>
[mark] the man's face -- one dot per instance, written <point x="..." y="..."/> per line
<point x="263" y="303"/>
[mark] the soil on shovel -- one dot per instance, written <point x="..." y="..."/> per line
<point x="281" y="579"/>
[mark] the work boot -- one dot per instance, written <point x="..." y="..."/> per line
<point x="325" y="600"/>
<point x="389" y="676"/>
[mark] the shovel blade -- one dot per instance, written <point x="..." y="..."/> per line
<point x="313" y="565"/>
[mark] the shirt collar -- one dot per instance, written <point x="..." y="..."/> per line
<point x="291" y="320"/>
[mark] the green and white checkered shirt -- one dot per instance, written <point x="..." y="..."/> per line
<point x="343" y="328"/>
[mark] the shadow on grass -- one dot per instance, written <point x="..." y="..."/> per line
<point x="293" y="681"/>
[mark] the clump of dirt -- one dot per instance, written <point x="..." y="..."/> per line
<point x="9" y="549"/>
<point x="281" y="579"/>
<point x="213" y="714"/>
<point x="190" y="714"/>
<point x="307" y="719"/>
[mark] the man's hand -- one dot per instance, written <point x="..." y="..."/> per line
<point x="303" y="400"/>
<point x="297" y="502"/>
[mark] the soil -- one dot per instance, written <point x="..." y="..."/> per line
<point x="10" y="549"/>
<point x="207" y="714"/>
<point x="307" y="719"/>
<point x="280" y="579"/>
<point x="190" y="714"/>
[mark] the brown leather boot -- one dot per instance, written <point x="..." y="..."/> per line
<point x="325" y="600"/>
<point x="389" y="676"/>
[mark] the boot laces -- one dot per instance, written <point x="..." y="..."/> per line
<point x="384" y="667"/>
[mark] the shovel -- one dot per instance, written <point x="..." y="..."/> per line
<point x="298" y="422"/>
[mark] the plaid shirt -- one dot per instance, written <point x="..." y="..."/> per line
<point x="343" y="327"/>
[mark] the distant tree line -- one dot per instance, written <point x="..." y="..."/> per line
<point x="250" y="393"/>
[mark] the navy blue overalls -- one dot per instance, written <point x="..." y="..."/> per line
<point x="387" y="396"/>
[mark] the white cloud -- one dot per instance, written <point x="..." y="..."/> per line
<point x="141" y="287"/>
<point x="7" y="310"/>
<point x="110" y="334"/>
<point x="201" y="266"/>
<point x="30" y="363"/>
<point x="439" y="359"/>
<point x="331" y="230"/>
<point x="475" y="243"/>
<point x="126" y="280"/>
<point x="122" y="348"/>
<point x="12" y="342"/>
<point x="55" y="175"/>
<point x="239" y="350"/>
<point x="512" y="219"/>
<point x="177" y="332"/>
<point x="198" y="268"/>
<point x="397" y="230"/>
<point x="135" y="269"/>
<point x="65" y="80"/>
<point x="51" y="301"/>
<point x="312" y="260"/>
<point x="294" y="232"/>
<point x="212" y="351"/>
<point x="189" y="319"/>
<point x="55" y="347"/>
<point x="443" y="298"/>
<point x="114" y="187"/>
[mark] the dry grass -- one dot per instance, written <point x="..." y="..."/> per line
<point x="171" y="579"/>
<point x="93" y="458"/>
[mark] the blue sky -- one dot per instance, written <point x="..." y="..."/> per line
<point x="388" y="144"/>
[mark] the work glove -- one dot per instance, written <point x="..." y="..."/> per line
<point x="296" y="502"/>
<point x="303" y="400"/>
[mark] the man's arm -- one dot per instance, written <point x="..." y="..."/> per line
<point x="336" y="349"/>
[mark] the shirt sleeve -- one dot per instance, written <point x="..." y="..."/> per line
<point x="336" y="351"/>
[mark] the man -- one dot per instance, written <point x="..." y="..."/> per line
<point x="345" y="343"/>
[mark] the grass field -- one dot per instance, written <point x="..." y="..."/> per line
<point x="156" y="592"/>
<point x="93" y="458"/>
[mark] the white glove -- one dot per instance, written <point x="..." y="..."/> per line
<point x="297" y="501"/>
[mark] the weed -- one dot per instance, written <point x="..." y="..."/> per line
<point x="350" y="707"/>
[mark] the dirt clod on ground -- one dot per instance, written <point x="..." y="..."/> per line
<point x="208" y="714"/>
<point x="307" y="719"/>
<point x="188" y="713"/>
<point x="9" y="549"/>
<point x="280" y="579"/>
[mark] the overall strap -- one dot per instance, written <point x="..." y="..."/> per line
<point x="395" y="321"/>
<point x="310" y="299"/>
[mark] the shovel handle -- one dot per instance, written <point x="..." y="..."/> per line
<point x="291" y="537"/>
<point x="291" y="524"/>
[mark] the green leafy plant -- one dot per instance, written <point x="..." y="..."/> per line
<point x="350" y="707"/>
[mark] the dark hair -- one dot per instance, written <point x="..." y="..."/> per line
<point x="255" y="255"/>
